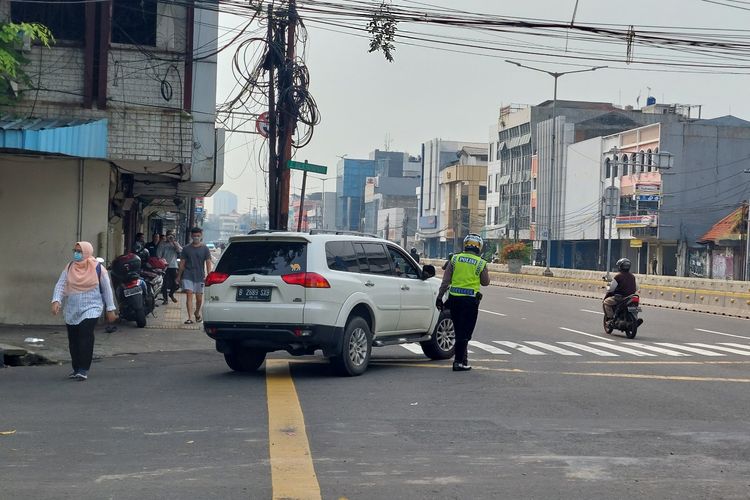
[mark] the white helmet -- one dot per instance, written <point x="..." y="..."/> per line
<point x="473" y="243"/>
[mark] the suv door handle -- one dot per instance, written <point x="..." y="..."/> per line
<point x="404" y="287"/>
<point x="369" y="283"/>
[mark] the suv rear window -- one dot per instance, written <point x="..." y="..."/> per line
<point x="271" y="258"/>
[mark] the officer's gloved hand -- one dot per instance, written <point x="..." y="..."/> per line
<point x="439" y="304"/>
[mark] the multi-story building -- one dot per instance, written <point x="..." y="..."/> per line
<point x="350" y="189"/>
<point x="225" y="202"/>
<point x="674" y="180"/>
<point x="115" y="135"/>
<point x="437" y="155"/>
<point x="464" y="186"/>
<point x="382" y="193"/>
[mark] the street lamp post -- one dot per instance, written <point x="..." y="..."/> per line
<point x="555" y="75"/>
<point x="747" y="236"/>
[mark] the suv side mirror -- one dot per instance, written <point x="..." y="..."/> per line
<point x="428" y="272"/>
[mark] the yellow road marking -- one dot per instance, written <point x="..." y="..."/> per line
<point x="678" y="378"/>
<point x="292" y="471"/>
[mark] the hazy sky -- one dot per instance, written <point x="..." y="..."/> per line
<point x="427" y="93"/>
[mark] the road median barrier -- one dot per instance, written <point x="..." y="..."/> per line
<point x="728" y="298"/>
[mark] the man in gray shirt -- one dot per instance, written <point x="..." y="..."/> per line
<point x="169" y="250"/>
<point x="195" y="264"/>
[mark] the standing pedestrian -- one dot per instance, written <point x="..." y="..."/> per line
<point x="169" y="250"/>
<point x="195" y="264"/>
<point x="654" y="265"/>
<point x="414" y="254"/>
<point x="83" y="291"/>
<point x="139" y="243"/>
<point x="152" y="245"/>
<point x="464" y="274"/>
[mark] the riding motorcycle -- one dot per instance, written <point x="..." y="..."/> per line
<point x="134" y="296"/>
<point x="625" y="316"/>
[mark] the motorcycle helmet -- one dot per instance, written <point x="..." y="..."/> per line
<point x="623" y="264"/>
<point x="473" y="243"/>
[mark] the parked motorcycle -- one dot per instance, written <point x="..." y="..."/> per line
<point x="135" y="298"/>
<point x="625" y="317"/>
<point x="152" y="271"/>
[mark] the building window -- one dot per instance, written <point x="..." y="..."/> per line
<point x="64" y="19"/>
<point x="615" y="167"/>
<point x="497" y="214"/>
<point x="489" y="216"/>
<point x="649" y="160"/>
<point x="482" y="193"/>
<point x="134" y="22"/>
<point x="607" y="169"/>
<point x="633" y="163"/>
<point x="642" y="161"/>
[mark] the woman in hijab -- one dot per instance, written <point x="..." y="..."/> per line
<point x="84" y="289"/>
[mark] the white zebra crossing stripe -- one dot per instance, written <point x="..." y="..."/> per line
<point x="702" y="352"/>
<point x="487" y="347"/>
<point x="590" y="349"/>
<point x="721" y="348"/>
<point x="413" y="348"/>
<point x="524" y="349"/>
<point x="553" y="348"/>
<point x="618" y="347"/>
<point x="741" y="346"/>
<point x="660" y="350"/>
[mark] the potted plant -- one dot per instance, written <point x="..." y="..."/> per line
<point x="515" y="255"/>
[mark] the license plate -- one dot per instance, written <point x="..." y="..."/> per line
<point x="128" y="292"/>
<point x="254" y="294"/>
<point x="634" y="309"/>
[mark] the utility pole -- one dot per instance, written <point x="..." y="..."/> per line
<point x="288" y="117"/>
<point x="273" y="180"/>
<point x="404" y="232"/>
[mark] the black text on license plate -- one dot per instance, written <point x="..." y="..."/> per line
<point x="132" y="291"/>
<point x="254" y="294"/>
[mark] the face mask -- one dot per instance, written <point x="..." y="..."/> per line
<point x="196" y="239"/>
<point x="77" y="256"/>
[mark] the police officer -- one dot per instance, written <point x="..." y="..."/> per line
<point x="465" y="272"/>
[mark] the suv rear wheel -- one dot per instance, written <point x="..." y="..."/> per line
<point x="356" y="347"/>
<point x="245" y="360"/>
<point x="443" y="341"/>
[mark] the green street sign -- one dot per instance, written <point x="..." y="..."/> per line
<point x="308" y="167"/>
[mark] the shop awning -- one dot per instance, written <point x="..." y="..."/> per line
<point x="73" y="137"/>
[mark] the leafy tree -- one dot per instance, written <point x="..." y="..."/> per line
<point x="382" y="27"/>
<point x="12" y="58"/>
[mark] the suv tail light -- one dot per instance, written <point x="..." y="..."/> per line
<point x="215" y="278"/>
<point x="307" y="280"/>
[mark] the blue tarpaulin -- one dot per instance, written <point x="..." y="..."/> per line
<point x="73" y="137"/>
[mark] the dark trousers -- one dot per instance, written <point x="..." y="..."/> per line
<point x="464" y="312"/>
<point x="81" y="343"/>
<point x="170" y="282"/>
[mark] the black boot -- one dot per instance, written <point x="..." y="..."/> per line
<point x="460" y="367"/>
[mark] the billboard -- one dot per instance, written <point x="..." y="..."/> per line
<point x="428" y="222"/>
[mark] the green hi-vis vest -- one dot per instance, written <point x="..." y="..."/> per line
<point x="466" y="270"/>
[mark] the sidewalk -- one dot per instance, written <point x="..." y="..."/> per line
<point x="164" y="332"/>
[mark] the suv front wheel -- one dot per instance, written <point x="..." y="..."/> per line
<point x="244" y="360"/>
<point x="443" y="341"/>
<point x="356" y="347"/>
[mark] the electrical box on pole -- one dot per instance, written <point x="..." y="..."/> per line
<point x="611" y="201"/>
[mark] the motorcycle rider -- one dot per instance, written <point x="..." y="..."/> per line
<point x="465" y="272"/>
<point x="620" y="287"/>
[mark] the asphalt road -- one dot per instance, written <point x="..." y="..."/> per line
<point x="552" y="410"/>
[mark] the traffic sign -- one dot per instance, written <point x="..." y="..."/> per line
<point x="307" y="167"/>
<point x="261" y="124"/>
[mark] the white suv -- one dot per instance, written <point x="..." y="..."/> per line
<point x="341" y="293"/>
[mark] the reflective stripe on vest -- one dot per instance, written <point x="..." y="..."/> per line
<point x="466" y="270"/>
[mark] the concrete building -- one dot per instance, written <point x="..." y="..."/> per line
<point x="116" y="136"/>
<point x="225" y="202"/>
<point x="382" y="193"/>
<point x="464" y="191"/>
<point x="437" y="155"/>
<point x="675" y="180"/>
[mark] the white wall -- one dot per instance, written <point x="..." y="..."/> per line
<point x="583" y="190"/>
<point x="41" y="230"/>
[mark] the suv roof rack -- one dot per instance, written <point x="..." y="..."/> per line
<point x="257" y="231"/>
<point x="349" y="233"/>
